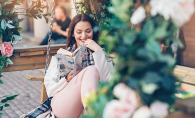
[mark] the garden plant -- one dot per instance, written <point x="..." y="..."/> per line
<point x="10" y="11"/>
<point x="142" y="82"/>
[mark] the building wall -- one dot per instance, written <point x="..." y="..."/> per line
<point x="189" y="36"/>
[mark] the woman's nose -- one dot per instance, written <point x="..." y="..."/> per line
<point x="84" y="36"/>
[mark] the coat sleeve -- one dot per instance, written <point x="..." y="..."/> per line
<point x="51" y="81"/>
<point x="103" y="65"/>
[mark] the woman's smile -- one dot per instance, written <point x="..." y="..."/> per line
<point x="83" y="31"/>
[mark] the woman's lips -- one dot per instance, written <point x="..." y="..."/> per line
<point x="83" y="41"/>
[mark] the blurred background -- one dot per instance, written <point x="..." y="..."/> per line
<point x="35" y="30"/>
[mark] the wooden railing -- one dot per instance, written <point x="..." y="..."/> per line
<point x="31" y="58"/>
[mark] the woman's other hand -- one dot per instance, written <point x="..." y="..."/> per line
<point x="92" y="45"/>
<point x="69" y="77"/>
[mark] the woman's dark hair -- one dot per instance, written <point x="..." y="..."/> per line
<point x="80" y="17"/>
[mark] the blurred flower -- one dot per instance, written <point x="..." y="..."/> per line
<point x="127" y="95"/>
<point x="142" y="112"/>
<point x="159" y="109"/>
<point x="7" y="49"/>
<point x="179" y="11"/>
<point x="138" y="15"/>
<point x="89" y="96"/>
<point x="117" y="109"/>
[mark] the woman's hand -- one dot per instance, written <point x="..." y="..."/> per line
<point x="69" y="76"/>
<point x="91" y="44"/>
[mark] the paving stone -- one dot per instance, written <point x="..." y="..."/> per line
<point x="14" y="108"/>
<point x="5" y="116"/>
<point x="28" y="93"/>
<point x="14" y="115"/>
<point x="9" y="111"/>
<point x="25" y="110"/>
<point x="19" y="112"/>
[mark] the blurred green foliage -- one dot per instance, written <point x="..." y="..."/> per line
<point x="10" y="29"/>
<point x="138" y="62"/>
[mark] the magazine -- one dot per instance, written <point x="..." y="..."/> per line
<point x="75" y="61"/>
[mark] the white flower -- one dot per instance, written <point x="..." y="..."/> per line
<point x="159" y="109"/>
<point x="127" y="95"/>
<point x="138" y="15"/>
<point x="142" y="112"/>
<point x="179" y="11"/>
<point x="117" y="109"/>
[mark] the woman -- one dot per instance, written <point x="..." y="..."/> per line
<point x="68" y="92"/>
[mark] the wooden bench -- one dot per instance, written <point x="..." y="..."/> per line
<point x="35" y="57"/>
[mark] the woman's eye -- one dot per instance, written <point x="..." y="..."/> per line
<point x="78" y="32"/>
<point x="88" y="31"/>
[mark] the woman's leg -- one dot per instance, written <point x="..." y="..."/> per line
<point x="67" y="103"/>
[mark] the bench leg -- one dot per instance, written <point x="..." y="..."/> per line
<point x="43" y="93"/>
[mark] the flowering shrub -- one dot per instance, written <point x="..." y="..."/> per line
<point x="142" y="81"/>
<point x="9" y="30"/>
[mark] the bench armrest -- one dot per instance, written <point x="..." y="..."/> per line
<point x="35" y="77"/>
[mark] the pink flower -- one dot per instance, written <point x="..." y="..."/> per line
<point x="127" y="95"/>
<point x="142" y="112"/>
<point x="7" y="49"/>
<point x="159" y="109"/>
<point x="117" y="109"/>
<point x="125" y="106"/>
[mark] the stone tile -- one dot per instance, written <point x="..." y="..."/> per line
<point x="21" y="106"/>
<point x="4" y="116"/>
<point x="28" y="93"/>
<point x="19" y="112"/>
<point x="25" y="111"/>
<point x="14" y="115"/>
<point x="14" y="108"/>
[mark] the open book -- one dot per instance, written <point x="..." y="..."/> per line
<point x="75" y="61"/>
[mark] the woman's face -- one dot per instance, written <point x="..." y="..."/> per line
<point x="82" y="31"/>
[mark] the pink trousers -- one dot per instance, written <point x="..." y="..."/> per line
<point x="67" y="103"/>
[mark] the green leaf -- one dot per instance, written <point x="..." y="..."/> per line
<point x="1" y="105"/>
<point x="1" y="82"/>
<point x="19" y="28"/>
<point x="3" y="24"/>
<point x="6" y="105"/>
<point x="4" y="100"/>
<point x="8" y="61"/>
<point x="0" y="13"/>
<point x="149" y="88"/>
<point x="1" y="114"/>
<point x="1" y="108"/>
<point x="148" y="28"/>
<point x="10" y="26"/>
<point x="46" y="19"/>
<point x="11" y="97"/>
<point x="17" y="37"/>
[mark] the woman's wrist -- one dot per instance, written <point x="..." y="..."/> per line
<point x="66" y="78"/>
<point x="98" y="48"/>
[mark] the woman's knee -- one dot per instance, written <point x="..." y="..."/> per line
<point x="93" y="70"/>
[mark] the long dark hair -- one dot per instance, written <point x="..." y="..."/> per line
<point x="80" y="17"/>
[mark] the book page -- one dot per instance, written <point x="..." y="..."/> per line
<point x="67" y="63"/>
